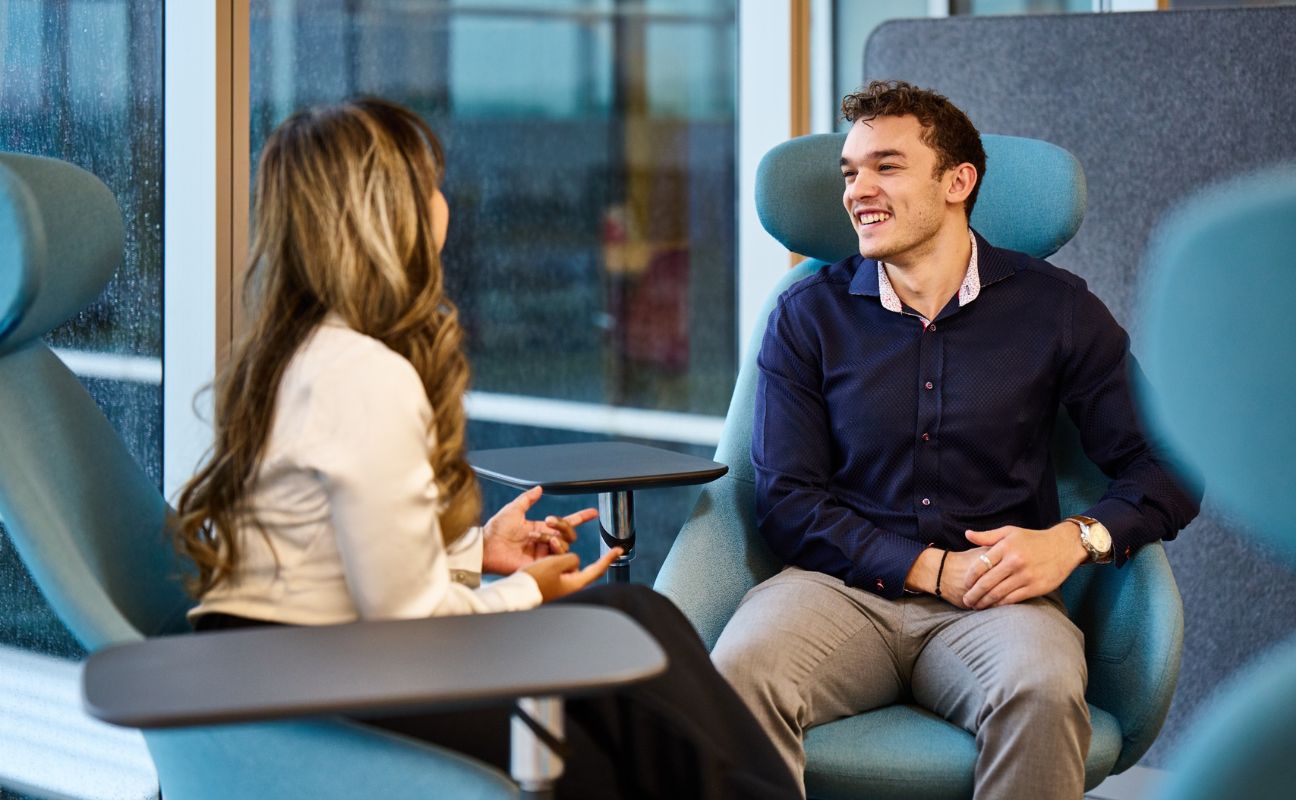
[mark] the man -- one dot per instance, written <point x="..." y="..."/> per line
<point x="904" y="411"/>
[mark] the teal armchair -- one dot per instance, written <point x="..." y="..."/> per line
<point x="89" y="525"/>
<point x="1033" y="200"/>
<point x="1219" y="351"/>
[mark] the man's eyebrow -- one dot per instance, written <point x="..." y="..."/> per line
<point x="876" y="155"/>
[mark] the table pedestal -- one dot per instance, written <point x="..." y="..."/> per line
<point x="616" y="527"/>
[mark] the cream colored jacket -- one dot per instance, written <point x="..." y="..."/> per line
<point x="346" y="496"/>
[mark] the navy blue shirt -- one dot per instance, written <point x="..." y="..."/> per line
<point x="877" y="436"/>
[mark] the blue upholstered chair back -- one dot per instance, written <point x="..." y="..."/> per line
<point x="1220" y="349"/>
<point x="1220" y="344"/>
<point x="83" y="516"/>
<point x="1032" y="200"/>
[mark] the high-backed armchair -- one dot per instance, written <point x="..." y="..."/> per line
<point x="89" y="525"/>
<point x="1220" y="348"/>
<point x="1032" y="200"/>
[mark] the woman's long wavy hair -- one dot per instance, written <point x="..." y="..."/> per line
<point x="343" y="222"/>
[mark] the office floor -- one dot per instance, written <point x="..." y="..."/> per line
<point x="49" y="747"/>
<point x="1136" y="783"/>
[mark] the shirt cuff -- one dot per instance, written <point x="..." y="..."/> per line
<point x="517" y="592"/>
<point x="885" y="572"/>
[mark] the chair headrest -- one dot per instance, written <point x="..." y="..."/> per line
<point x="1032" y="200"/>
<point x="61" y="240"/>
<point x="1218" y="343"/>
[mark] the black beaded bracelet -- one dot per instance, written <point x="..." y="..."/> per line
<point x="940" y="571"/>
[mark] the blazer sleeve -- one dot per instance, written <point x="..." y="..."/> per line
<point x="372" y="424"/>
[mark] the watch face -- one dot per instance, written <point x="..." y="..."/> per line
<point x="1100" y="538"/>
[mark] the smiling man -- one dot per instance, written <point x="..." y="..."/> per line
<point x="904" y="412"/>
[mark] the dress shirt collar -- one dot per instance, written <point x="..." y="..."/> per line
<point x="871" y="281"/>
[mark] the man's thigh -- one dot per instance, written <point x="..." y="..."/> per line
<point x="811" y="646"/>
<point x="981" y="660"/>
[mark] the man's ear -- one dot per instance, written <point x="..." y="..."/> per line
<point x="963" y="182"/>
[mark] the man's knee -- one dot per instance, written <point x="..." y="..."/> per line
<point x="1055" y="695"/>
<point x="735" y="647"/>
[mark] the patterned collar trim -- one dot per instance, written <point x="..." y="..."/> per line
<point x="968" y="290"/>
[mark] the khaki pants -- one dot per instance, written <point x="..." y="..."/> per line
<point x="804" y="649"/>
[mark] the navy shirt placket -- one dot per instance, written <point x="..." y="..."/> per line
<point x="927" y="505"/>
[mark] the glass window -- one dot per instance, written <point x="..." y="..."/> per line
<point x="82" y="81"/>
<point x="591" y="150"/>
<point x="852" y="24"/>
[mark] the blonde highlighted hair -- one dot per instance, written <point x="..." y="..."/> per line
<point x="343" y="222"/>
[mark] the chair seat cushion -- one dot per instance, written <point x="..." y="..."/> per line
<point x="903" y="752"/>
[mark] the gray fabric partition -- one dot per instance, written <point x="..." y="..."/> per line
<point x="1155" y="105"/>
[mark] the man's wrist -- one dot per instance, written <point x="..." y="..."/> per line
<point x="1071" y="530"/>
<point x="922" y="575"/>
<point x="1093" y="539"/>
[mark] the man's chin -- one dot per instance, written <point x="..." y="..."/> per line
<point x="874" y="250"/>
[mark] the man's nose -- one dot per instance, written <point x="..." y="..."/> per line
<point x="863" y="186"/>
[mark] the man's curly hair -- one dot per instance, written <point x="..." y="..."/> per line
<point x="946" y="129"/>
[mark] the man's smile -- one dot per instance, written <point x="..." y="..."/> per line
<point x="870" y="217"/>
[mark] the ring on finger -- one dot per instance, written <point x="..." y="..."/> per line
<point x="985" y="559"/>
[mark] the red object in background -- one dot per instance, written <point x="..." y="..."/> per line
<point x="657" y="313"/>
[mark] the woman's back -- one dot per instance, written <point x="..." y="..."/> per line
<point x="344" y="504"/>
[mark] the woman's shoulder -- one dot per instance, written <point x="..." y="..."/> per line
<point x="337" y="361"/>
<point x="337" y="350"/>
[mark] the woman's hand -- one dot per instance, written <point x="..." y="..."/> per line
<point x="559" y="576"/>
<point x="511" y="541"/>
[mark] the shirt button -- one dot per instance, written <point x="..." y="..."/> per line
<point x="930" y="385"/>
<point x="931" y="327"/>
<point x="926" y="501"/>
<point x="926" y="437"/>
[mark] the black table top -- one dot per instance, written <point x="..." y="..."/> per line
<point x="367" y="668"/>
<point x="587" y="467"/>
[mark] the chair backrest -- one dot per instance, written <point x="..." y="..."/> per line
<point x="1219" y="344"/>
<point x="1219" y="348"/>
<point x="85" y="519"/>
<point x="1032" y="198"/>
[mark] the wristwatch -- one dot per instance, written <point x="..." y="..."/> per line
<point x="1095" y="537"/>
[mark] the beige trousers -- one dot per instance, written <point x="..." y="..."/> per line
<point x="804" y="649"/>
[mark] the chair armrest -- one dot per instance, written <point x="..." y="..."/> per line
<point x="716" y="558"/>
<point x="368" y="668"/>
<point x="1133" y="623"/>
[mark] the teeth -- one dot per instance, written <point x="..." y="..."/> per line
<point x="869" y="219"/>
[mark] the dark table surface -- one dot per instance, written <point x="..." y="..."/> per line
<point x="587" y="467"/>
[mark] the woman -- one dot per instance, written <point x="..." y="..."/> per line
<point x="338" y="489"/>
